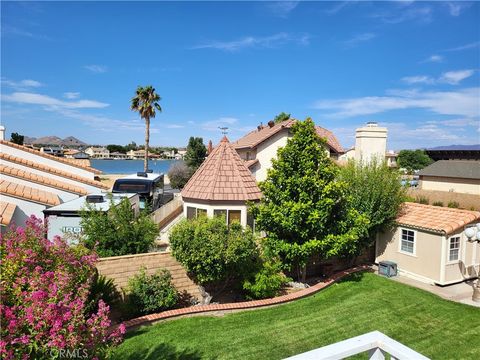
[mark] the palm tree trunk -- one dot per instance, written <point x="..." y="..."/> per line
<point x="147" y="141"/>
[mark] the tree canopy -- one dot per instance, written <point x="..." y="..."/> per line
<point x="304" y="210"/>
<point x="145" y="102"/>
<point x="281" y="117"/>
<point x="196" y="152"/>
<point x="16" y="138"/>
<point x="413" y="159"/>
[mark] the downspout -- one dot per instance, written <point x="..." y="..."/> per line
<point x="443" y="259"/>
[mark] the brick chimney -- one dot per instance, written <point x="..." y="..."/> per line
<point x="210" y="147"/>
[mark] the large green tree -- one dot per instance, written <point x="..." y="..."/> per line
<point x="145" y="102"/>
<point x="305" y="210"/>
<point x="413" y="159"/>
<point x="196" y="152"/>
<point x="374" y="190"/>
<point x="16" y="138"/>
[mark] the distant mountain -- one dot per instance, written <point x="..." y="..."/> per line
<point x="457" y="147"/>
<point x="54" y="140"/>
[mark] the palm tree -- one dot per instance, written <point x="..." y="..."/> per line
<point x="145" y="102"/>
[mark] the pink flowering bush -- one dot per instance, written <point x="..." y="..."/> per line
<point x="44" y="288"/>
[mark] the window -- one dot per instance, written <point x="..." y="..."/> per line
<point x="191" y="213"/>
<point x="234" y="215"/>
<point x="408" y="241"/>
<point x="201" y="212"/>
<point x="220" y="212"/>
<point x="454" y="249"/>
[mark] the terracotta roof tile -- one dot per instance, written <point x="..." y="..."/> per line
<point x="25" y="175"/>
<point x="6" y="212"/>
<point x="51" y="170"/>
<point x="256" y="137"/>
<point x="223" y="176"/>
<point x="51" y="157"/>
<point x="28" y="193"/>
<point x="435" y="218"/>
<point x="250" y="163"/>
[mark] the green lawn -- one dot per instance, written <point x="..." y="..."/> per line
<point x="361" y="303"/>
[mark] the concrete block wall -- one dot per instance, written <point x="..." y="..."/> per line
<point x="121" y="268"/>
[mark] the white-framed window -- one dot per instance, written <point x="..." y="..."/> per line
<point x="407" y="241"/>
<point x="454" y="248"/>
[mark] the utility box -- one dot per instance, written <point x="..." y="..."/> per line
<point x="387" y="268"/>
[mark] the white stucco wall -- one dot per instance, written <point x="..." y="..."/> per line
<point x="267" y="151"/>
<point x="463" y="186"/>
<point x="46" y="161"/>
<point x="24" y="209"/>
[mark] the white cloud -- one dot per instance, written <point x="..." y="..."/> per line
<point x="96" y="68"/>
<point x="419" y="79"/>
<point x="434" y="59"/>
<point x="359" y="38"/>
<point x="22" y="84"/>
<point x="422" y="14"/>
<point x="281" y="8"/>
<point x="13" y="30"/>
<point x="213" y="125"/>
<point x="337" y="7"/>
<point x="454" y="77"/>
<point x="272" y="41"/>
<point x="463" y="102"/>
<point x="472" y="45"/>
<point x="455" y="8"/>
<point x="71" y="95"/>
<point x="39" y="99"/>
<point x="174" y="126"/>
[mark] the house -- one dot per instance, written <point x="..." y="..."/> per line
<point x="136" y="154"/>
<point x="460" y="176"/>
<point x="429" y="244"/>
<point x="221" y="186"/>
<point x="32" y="181"/>
<point x="260" y="146"/>
<point x="118" y="155"/>
<point x="98" y="152"/>
<point x="52" y="150"/>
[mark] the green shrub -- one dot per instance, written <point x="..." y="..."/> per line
<point x="101" y="288"/>
<point x="422" y="200"/>
<point x="213" y="252"/>
<point x="453" y="204"/>
<point x="437" y="203"/>
<point x="267" y="283"/>
<point x="151" y="293"/>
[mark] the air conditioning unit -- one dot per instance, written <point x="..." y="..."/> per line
<point x="387" y="268"/>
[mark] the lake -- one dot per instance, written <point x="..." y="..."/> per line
<point x="130" y="166"/>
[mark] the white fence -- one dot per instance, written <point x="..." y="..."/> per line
<point x="376" y="343"/>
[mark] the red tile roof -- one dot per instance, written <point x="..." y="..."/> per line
<point x="51" y="170"/>
<point x="28" y="176"/>
<point x="6" y="212"/>
<point x="28" y="193"/>
<point x="256" y="137"/>
<point x="250" y="163"/>
<point x="51" y="157"/>
<point x="223" y="176"/>
<point x="435" y="218"/>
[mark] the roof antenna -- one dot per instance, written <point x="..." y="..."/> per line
<point x="224" y="130"/>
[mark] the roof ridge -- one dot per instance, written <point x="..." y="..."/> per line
<point x="51" y="170"/>
<point x="39" y="179"/>
<point x="48" y="156"/>
<point x="216" y="170"/>
<point x="32" y="194"/>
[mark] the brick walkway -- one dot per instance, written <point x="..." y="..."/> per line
<point x="245" y="304"/>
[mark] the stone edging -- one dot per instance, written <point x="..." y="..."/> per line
<point x="245" y="304"/>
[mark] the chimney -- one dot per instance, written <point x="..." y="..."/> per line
<point x="2" y="132"/>
<point x="210" y="147"/>
<point x="370" y="142"/>
<point x="271" y="123"/>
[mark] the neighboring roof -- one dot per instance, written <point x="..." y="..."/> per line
<point x="6" y="212"/>
<point x="462" y="169"/>
<point x="150" y="176"/>
<point x="51" y="170"/>
<point x="435" y="218"/>
<point x="28" y="176"/>
<point x="51" y="157"/>
<point x="223" y="176"/>
<point x="250" y="163"/>
<point x="80" y="203"/>
<point x="256" y="137"/>
<point x="28" y="193"/>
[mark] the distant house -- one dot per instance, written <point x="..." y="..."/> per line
<point x="260" y="146"/>
<point x="429" y="244"/>
<point x="32" y="181"/>
<point x="98" y="152"/>
<point x="460" y="176"/>
<point x="221" y="186"/>
<point x="136" y="154"/>
<point x="118" y="155"/>
<point x="52" y="150"/>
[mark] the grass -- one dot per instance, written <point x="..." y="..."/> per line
<point x="361" y="303"/>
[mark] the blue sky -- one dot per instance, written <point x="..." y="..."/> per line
<point x="70" y="68"/>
